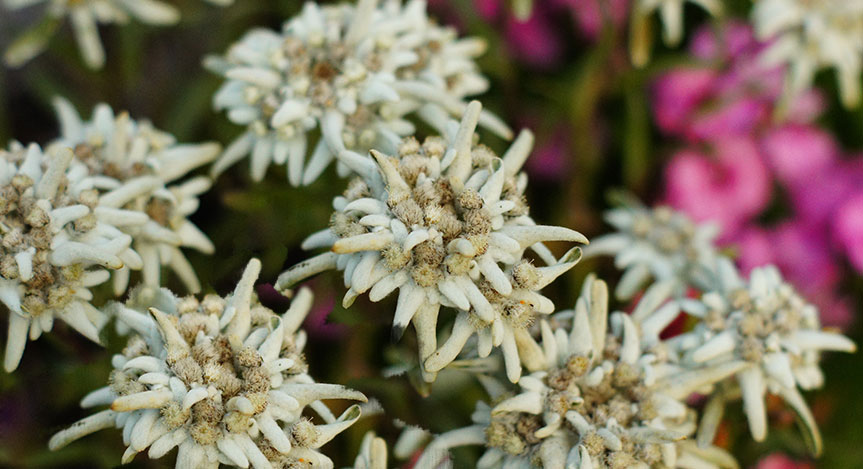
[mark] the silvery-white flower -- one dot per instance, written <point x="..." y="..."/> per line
<point x="811" y="35"/>
<point x="223" y="379"/>
<point x="770" y="335"/>
<point x="85" y="16"/>
<point x="596" y="400"/>
<point x="353" y="73"/>
<point x="57" y="241"/>
<point x="445" y="223"/>
<point x="659" y="244"/>
<point x="148" y="164"/>
<point x="671" y="14"/>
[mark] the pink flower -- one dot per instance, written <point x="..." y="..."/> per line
<point x="728" y="187"/>
<point x="820" y="194"/>
<point x="735" y="117"/>
<point x="676" y="96"/>
<point x="731" y="94"/>
<point x="796" y="153"/>
<point x="848" y="229"/>
<point x="755" y="248"/>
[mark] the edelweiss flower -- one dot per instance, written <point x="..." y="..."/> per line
<point x="353" y="73"/>
<point x="811" y="35"/>
<point x="671" y="14"/>
<point x="446" y="224"/>
<point x="222" y="379"/>
<point x="773" y="338"/>
<point x="143" y="160"/>
<point x="85" y="15"/>
<point x="595" y="401"/>
<point x="57" y="241"/>
<point x="660" y="243"/>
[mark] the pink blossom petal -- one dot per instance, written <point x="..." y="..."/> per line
<point x="796" y="152"/>
<point x="740" y="117"/>
<point x="677" y="94"/>
<point x="848" y="229"/>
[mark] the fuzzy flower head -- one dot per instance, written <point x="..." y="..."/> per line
<point x="671" y="14"/>
<point x="773" y="339"/>
<point x="593" y="402"/>
<point x="85" y="16"/>
<point x="657" y="243"/>
<point x="57" y="241"/>
<point x="351" y="72"/>
<point x="445" y="223"/>
<point x="143" y="165"/>
<point x="223" y="379"/>
<point x="812" y="35"/>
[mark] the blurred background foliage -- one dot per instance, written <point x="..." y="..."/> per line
<point x="589" y="105"/>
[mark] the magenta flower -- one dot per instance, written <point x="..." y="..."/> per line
<point x="796" y="153"/>
<point x="821" y="194"/>
<point x="730" y="93"/>
<point x="677" y="95"/>
<point x="848" y="229"/>
<point x="728" y="187"/>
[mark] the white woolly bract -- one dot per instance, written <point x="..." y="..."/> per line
<point x="444" y="223"/>
<point x="149" y="166"/>
<point x="358" y="74"/>
<point x="657" y="244"/>
<point x="222" y="379"/>
<point x="55" y="245"/>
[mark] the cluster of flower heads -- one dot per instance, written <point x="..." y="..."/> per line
<point x="144" y="165"/>
<point x="57" y="241"/>
<point x="760" y="330"/>
<point x="93" y="205"/>
<point x="354" y="73"/>
<point x="606" y="391"/>
<point x="598" y="398"/>
<point x="222" y="379"/>
<point x="85" y="17"/>
<point x="445" y="223"/>
<point x="811" y="35"/>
